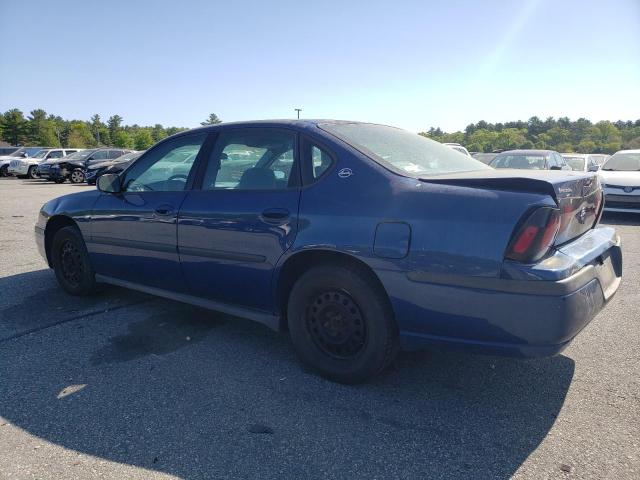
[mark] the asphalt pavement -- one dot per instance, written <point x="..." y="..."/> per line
<point x="125" y="385"/>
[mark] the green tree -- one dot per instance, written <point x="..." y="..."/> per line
<point x="99" y="130"/>
<point x="80" y="135"/>
<point x="42" y="129"/>
<point x="586" y="146"/>
<point x="213" y="119"/>
<point x="115" y="125"/>
<point x="158" y="132"/>
<point x="122" y="139"/>
<point x="143" y="139"/>
<point x="15" y="128"/>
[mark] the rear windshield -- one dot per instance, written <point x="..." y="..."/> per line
<point x="576" y="163"/>
<point x="401" y="151"/>
<point x="625" y="162"/>
<point x="519" y="160"/>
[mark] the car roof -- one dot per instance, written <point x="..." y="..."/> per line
<point x="306" y="123"/>
<point x="629" y="151"/>
<point x="524" y="152"/>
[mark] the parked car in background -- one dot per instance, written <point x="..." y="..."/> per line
<point x="458" y="148"/>
<point x="530" y="160"/>
<point x="582" y="162"/>
<point x="74" y="166"/>
<point x="620" y="176"/>
<point x="359" y="239"/>
<point x="27" y="167"/>
<point x="485" y="157"/>
<point x="117" y="165"/>
<point x="600" y="158"/>
<point x="22" y="152"/>
<point x="7" y="150"/>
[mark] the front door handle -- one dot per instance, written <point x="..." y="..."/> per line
<point x="277" y="215"/>
<point x="164" y="210"/>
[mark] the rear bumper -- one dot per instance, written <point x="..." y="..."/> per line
<point x="524" y="318"/>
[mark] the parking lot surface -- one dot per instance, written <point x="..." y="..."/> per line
<point x="124" y="385"/>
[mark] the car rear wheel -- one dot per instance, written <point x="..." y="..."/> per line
<point x="32" y="172"/>
<point x="77" y="176"/>
<point x="71" y="264"/>
<point x="341" y="324"/>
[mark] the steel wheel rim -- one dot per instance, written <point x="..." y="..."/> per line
<point x="71" y="263"/>
<point x="335" y="324"/>
<point x="76" y="177"/>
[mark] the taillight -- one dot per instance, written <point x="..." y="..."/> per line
<point x="535" y="235"/>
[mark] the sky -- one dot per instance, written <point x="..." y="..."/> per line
<point x="413" y="64"/>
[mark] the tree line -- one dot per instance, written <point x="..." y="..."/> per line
<point x="39" y="128"/>
<point x="562" y="135"/>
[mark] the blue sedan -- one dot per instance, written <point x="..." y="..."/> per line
<point x="359" y="239"/>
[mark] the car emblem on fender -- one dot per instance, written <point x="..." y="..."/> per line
<point x="345" y="172"/>
<point x="628" y="189"/>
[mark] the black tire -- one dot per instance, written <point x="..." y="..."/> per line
<point x="4" y="171"/>
<point x="341" y="323"/>
<point x="71" y="264"/>
<point x="32" y="173"/>
<point x="59" y="180"/>
<point x="77" y="176"/>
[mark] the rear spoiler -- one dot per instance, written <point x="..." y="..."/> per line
<point x="516" y="184"/>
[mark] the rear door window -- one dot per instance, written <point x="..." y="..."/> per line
<point x="252" y="159"/>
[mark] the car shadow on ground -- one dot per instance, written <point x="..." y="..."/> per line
<point x="168" y="387"/>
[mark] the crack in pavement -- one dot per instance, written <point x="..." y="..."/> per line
<point x="70" y="319"/>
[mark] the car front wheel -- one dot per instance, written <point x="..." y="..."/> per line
<point x="4" y="171"/>
<point x="71" y="264"/>
<point x="341" y="323"/>
<point x="77" y="176"/>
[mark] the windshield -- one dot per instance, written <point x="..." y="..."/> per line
<point x="29" y="151"/>
<point x="81" y="155"/>
<point x="41" y="154"/>
<point x="624" y="162"/>
<point x="576" y="163"/>
<point x="484" y="157"/>
<point x="524" y="161"/>
<point x="127" y="157"/>
<point x="401" y="151"/>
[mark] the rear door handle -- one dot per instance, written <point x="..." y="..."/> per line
<point x="275" y="214"/>
<point x="164" y="210"/>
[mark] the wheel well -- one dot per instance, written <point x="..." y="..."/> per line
<point x="54" y="224"/>
<point x="302" y="262"/>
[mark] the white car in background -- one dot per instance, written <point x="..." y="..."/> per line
<point x="28" y="166"/>
<point x="583" y="162"/>
<point x="22" y="152"/>
<point x="620" y="177"/>
<point x="458" y="148"/>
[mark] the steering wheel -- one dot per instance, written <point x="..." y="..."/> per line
<point x="178" y="176"/>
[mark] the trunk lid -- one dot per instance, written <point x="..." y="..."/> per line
<point x="577" y="194"/>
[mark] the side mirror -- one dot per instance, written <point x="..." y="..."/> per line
<point x="110" y="183"/>
<point x="594" y="168"/>
<point x="555" y="167"/>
